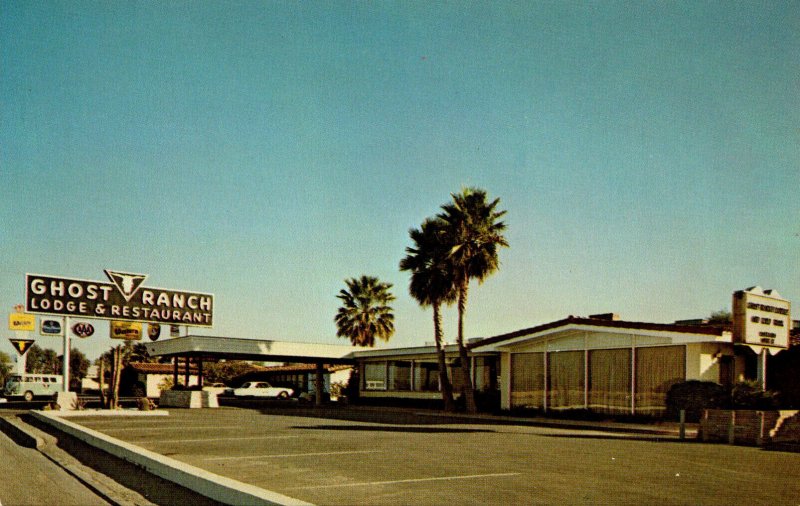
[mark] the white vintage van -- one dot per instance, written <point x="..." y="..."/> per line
<point x="29" y="386"/>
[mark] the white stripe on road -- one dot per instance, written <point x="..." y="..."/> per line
<point x="288" y="455"/>
<point x="417" y="480"/>
<point x="151" y="429"/>
<point x="202" y="440"/>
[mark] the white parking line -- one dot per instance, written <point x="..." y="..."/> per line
<point x="213" y="439"/>
<point x="288" y="455"/>
<point x="417" y="480"/>
<point x="151" y="429"/>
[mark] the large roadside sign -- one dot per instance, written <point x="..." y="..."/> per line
<point x="125" y="298"/>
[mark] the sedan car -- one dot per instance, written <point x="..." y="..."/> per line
<point x="262" y="389"/>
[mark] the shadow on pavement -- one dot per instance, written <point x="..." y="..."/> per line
<point x="623" y="437"/>
<point x="131" y="476"/>
<point x="393" y="428"/>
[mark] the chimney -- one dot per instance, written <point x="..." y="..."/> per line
<point x="605" y="316"/>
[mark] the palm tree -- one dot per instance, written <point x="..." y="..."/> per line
<point x="474" y="234"/>
<point x="365" y="313"/>
<point x="431" y="285"/>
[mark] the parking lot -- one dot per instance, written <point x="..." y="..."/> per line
<point x="396" y="457"/>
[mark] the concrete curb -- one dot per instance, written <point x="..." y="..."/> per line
<point x="16" y="431"/>
<point x="213" y="486"/>
<point x="618" y="428"/>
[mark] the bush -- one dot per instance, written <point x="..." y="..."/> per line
<point x="749" y="395"/>
<point x="694" y="397"/>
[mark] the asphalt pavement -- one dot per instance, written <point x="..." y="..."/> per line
<point x="30" y="478"/>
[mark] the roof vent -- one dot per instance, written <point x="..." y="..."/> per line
<point x="694" y="321"/>
<point x="605" y="316"/>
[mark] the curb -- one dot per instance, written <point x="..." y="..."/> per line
<point x="14" y="429"/>
<point x="554" y="424"/>
<point x="213" y="486"/>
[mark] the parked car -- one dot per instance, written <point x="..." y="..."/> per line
<point x="217" y="388"/>
<point x="262" y="389"/>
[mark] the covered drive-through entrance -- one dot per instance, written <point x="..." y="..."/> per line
<point x="208" y="348"/>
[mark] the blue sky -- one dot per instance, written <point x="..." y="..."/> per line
<point x="646" y="152"/>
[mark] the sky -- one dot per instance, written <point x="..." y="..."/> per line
<point x="647" y="153"/>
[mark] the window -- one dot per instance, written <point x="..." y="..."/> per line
<point x="777" y="323"/>
<point x="755" y="319"/>
<point x="565" y="379"/>
<point x="766" y="321"/>
<point x="657" y="369"/>
<point x="426" y="376"/>
<point x="527" y="380"/>
<point x="399" y="375"/>
<point x="610" y="380"/>
<point x="375" y="376"/>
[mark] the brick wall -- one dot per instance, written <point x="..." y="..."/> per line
<point x="750" y="427"/>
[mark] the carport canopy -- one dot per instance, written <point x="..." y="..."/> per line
<point x="258" y="350"/>
<point x="210" y="348"/>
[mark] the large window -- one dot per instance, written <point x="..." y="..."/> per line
<point x="565" y="376"/>
<point x="610" y="380"/>
<point x="375" y="376"/>
<point x="485" y="373"/>
<point x="426" y="376"/>
<point x="657" y="369"/>
<point x="527" y="380"/>
<point x="400" y="375"/>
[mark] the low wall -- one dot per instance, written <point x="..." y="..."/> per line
<point x="188" y="399"/>
<point x="749" y="427"/>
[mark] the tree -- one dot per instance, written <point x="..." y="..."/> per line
<point x="5" y="367"/>
<point x="365" y="313"/>
<point x="225" y="371"/>
<point x="42" y="361"/>
<point x="474" y="234"/>
<point x="432" y="285"/>
<point x="720" y="317"/>
<point x="78" y="365"/>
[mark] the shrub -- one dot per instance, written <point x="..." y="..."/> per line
<point x="749" y="395"/>
<point x="694" y="397"/>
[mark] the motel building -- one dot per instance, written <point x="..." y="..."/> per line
<point x="599" y="363"/>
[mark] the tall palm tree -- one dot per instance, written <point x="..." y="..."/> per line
<point x="432" y="285"/>
<point x="474" y="234"/>
<point x="365" y="313"/>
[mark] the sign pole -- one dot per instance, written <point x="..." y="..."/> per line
<point x="66" y="354"/>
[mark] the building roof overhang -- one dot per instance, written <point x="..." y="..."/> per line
<point x="677" y="333"/>
<point x="262" y="350"/>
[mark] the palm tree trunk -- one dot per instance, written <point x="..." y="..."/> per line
<point x="444" y="379"/>
<point x="102" y="383"/>
<point x="468" y="391"/>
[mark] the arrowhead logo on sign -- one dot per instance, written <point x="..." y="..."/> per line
<point x="126" y="283"/>
<point x="22" y="345"/>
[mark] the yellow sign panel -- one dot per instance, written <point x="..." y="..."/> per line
<point x="21" y="321"/>
<point x="131" y="331"/>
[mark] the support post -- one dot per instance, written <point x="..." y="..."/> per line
<point x="682" y="430"/>
<point x="175" y="371"/>
<point x="319" y="385"/>
<point x="65" y="369"/>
